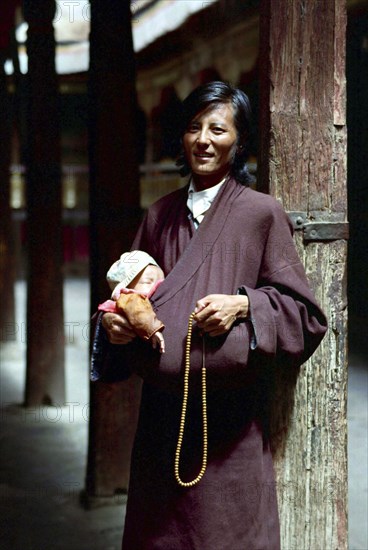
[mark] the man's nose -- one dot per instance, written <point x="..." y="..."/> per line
<point x="203" y="138"/>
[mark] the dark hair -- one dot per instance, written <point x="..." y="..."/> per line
<point x="214" y="93"/>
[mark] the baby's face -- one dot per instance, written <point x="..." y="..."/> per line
<point x="147" y="278"/>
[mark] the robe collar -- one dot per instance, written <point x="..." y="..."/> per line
<point x="202" y="243"/>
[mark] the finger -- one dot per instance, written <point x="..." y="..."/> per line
<point x="218" y="326"/>
<point x="121" y="323"/>
<point x="110" y="321"/>
<point x="117" y="291"/>
<point x="206" y="313"/>
<point x="117" y="338"/>
<point x="206" y="301"/>
<point x="210" y="299"/>
<point x="211" y="316"/>
<point x="199" y="306"/>
<point x="123" y="330"/>
<point x="106" y="320"/>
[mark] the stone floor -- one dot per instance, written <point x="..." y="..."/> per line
<point x="43" y="456"/>
<point x="43" y="450"/>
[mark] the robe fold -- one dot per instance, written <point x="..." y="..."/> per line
<point x="243" y="245"/>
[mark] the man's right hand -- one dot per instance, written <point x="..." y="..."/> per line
<point x="117" y="328"/>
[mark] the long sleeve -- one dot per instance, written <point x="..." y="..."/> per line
<point x="286" y="319"/>
<point x="107" y="360"/>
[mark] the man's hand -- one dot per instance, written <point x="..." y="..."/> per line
<point x="117" y="328"/>
<point x="216" y="313"/>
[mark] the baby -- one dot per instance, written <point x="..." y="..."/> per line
<point x="133" y="279"/>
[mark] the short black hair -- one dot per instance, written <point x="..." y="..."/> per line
<point x="214" y="93"/>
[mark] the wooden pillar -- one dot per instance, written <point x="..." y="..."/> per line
<point x="114" y="217"/>
<point x="8" y="328"/>
<point x="45" y="330"/>
<point x="303" y="163"/>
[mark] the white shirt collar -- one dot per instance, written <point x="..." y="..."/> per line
<point x="200" y="201"/>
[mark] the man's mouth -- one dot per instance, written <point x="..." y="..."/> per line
<point x="203" y="155"/>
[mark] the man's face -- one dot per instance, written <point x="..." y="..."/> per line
<point x="210" y="144"/>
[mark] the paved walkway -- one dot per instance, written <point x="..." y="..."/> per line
<point x="43" y="451"/>
<point x="43" y="456"/>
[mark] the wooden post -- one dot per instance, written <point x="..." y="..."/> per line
<point x="303" y="163"/>
<point x="45" y="330"/>
<point x="8" y="328"/>
<point x="114" y="217"/>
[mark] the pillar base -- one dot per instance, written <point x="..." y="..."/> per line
<point x="91" y="502"/>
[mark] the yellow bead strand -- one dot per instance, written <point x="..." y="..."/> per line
<point x="184" y="411"/>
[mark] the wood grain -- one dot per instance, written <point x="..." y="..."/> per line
<point x="303" y="160"/>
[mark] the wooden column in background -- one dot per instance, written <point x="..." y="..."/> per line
<point x="8" y="328"/>
<point x="303" y="163"/>
<point x="114" y="217"/>
<point x="45" y="330"/>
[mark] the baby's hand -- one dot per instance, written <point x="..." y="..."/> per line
<point x="158" y="341"/>
<point x="117" y="291"/>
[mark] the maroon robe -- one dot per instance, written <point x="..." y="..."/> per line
<point x="244" y="244"/>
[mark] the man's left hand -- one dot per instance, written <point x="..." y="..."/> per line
<point x="216" y="313"/>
